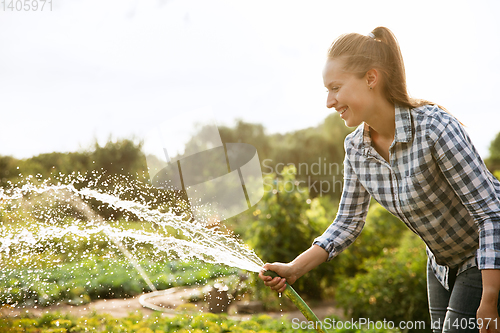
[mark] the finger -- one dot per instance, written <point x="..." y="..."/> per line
<point x="275" y="267"/>
<point x="482" y="328"/>
<point x="282" y="289"/>
<point x="276" y="281"/>
<point x="488" y="328"/>
<point x="272" y="282"/>
<point x="264" y="277"/>
<point x="281" y="283"/>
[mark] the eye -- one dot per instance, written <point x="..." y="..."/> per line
<point x="332" y="89"/>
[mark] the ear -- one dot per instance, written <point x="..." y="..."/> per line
<point x="372" y="77"/>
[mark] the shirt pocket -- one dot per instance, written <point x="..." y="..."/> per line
<point x="423" y="189"/>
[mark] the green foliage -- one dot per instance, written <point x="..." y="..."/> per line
<point x="322" y="145"/>
<point x="8" y="169"/>
<point x="493" y="161"/>
<point x="120" y="157"/>
<point x="254" y="134"/>
<point x="319" y="149"/>
<point x="105" y="167"/>
<point x="285" y="224"/>
<point x="382" y="274"/>
<point x="382" y="231"/>
<point x="393" y="285"/>
<point x="115" y="157"/>
<point x="281" y="229"/>
<point x="82" y="281"/>
<point x="181" y="323"/>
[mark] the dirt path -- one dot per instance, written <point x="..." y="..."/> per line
<point x="122" y="307"/>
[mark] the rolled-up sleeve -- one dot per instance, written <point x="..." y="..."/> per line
<point x="477" y="188"/>
<point x="350" y="218"/>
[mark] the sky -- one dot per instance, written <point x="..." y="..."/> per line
<point x="97" y="70"/>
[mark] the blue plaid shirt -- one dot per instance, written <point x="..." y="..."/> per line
<point x="435" y="182"/>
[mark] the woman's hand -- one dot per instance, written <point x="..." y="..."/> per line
<point x="290" y="272"/>
<point x="286" y="272"/>
<point x="488" y="319"/>
<point x="487" y="313"/>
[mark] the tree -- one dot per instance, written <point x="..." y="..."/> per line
<point x="254" y="134"/>
<point x="120" y="157"/>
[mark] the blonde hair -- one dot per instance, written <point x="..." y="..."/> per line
<point x="380" y="50"/>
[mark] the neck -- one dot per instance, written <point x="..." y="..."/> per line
<point x="382" y="119"/>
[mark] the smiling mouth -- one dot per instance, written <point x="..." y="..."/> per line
<point x="341" y="111"/>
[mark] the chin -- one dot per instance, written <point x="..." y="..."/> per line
<point x="351" y="123"/>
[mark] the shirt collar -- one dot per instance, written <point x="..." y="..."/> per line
<point x="403" y="124"/>
<point x="403" y="129"/>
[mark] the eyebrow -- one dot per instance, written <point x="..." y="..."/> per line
<point x="332" y="83"/>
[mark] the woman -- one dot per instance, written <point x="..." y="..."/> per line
<point x="417" y="161"/>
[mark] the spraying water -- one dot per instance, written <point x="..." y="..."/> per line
<point x="57" y="215"/>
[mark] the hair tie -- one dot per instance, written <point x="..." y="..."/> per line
<point x="371" y="35"/>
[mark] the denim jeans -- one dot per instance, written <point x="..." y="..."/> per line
<point x="455" y="310"/>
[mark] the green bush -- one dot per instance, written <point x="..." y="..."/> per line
<point x="382" y="231"/>
<point x="137" y="323"/>
<point x="286" y="221"/>
<point x="391" y="286"/>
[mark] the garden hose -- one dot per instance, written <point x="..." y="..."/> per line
<point x="299" y="303"/>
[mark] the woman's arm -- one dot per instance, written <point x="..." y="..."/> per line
<point x="290" y="272"/>
<point x="464" y="170"/>
<point x="341" y="233"/>
<point x="487" y="311"/>
<point x="471" y="181"/>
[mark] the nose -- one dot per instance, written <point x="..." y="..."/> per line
<point x="331" y="100"/>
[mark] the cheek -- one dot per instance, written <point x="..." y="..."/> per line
<point x="343" y="96"/>
<point x="356" y="97"/>
<point x="348" y="97"/>
<point x="347" y="93"/>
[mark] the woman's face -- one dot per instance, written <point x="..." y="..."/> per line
<point x="347" y="93"/>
